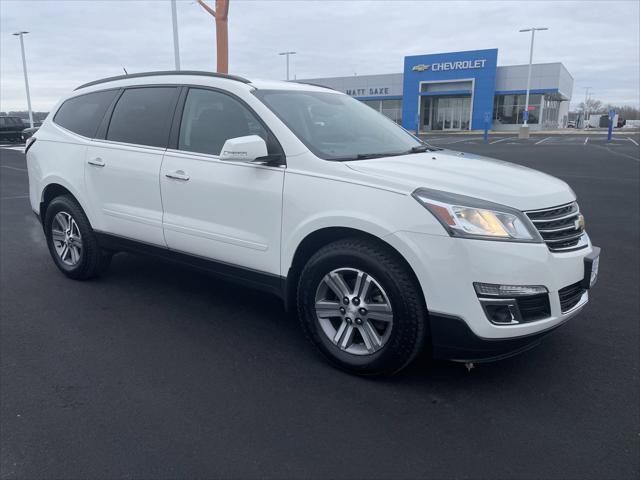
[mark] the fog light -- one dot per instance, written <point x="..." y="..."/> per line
<point x="500" y="313"/>
<point x="493" y="290"/>
<point x="504" y="311"/>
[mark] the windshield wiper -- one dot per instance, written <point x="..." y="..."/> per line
<point x="365" y="156"/>
<point x="422" y="148"/>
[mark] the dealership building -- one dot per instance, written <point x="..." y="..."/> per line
<point x="463" y="91"/>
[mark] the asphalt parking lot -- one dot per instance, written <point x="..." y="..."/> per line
<point x="157" y="371"/>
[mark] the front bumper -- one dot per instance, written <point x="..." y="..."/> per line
<point x="452" y="339"/>
<point x="447" y="269"/>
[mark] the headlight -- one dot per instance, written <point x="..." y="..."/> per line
<point x="470" y="217"/>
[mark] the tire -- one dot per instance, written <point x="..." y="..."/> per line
<point x="401" y="332"/>
<point x="83" y="258"/>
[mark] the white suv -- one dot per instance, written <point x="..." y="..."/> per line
<point x="384" y="244"/>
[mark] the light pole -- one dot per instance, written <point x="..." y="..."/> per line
<point x="176" y="42"/>
<point x="526" y="101"/>
<point x="26" y="78"/>
<point x="287" y="55"/>
<point x="221" y="15"/>
<point x="586" y="103"/>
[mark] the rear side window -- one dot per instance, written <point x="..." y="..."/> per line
<point x="210" y="118"/>
<point x="142" y="116"/>
<point x="83" y="114"/>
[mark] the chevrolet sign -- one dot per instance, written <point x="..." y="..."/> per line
<point x="459" y="65"/>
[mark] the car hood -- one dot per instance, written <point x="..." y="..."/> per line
<point x="468" y="174"/>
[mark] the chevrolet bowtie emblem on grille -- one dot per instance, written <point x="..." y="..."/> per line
<point x="580" y="223"/>
<point x="420" y="68"/>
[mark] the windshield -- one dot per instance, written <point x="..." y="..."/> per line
<point x="338" y="127"/>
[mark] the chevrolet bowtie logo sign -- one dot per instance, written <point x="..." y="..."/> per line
<point x="420" y="68"/>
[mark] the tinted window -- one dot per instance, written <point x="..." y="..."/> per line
<point x="210" y="118"/>
<point x="83" y="114"/>
<point x="142" y="116"/>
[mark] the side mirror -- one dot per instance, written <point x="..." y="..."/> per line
<point x="244" y="149"/>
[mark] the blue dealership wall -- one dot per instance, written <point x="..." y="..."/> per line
<point x="477" y="64"/>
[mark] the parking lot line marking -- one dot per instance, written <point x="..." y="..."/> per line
<point x="586" y="140"/>
<point x="17" y="149"/>
<point x="608" y="149"/>
<point x="542" y="141"/>
<point x="434" y="139"/>
<point x="14" y="168"/>
<point x="632" y="140"/>
<point x="501" y="140"/>
<point x="14" y="197"/>
<point x="460" y="141"/>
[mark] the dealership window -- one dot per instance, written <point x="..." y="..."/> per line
<point x="551" y="112"/>
<point x="375" y="104"/>
<point x="391" y="108"/>
<point x="508" y="109"/>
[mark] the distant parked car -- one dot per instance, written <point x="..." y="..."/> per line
<point x="28" y="132"/>
<point x="571" y="124"/>
<point x="11" y="129"/>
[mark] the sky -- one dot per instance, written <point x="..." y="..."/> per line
<point x="73" y="42"/>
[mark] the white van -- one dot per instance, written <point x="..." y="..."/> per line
<point x="384" y="245"/>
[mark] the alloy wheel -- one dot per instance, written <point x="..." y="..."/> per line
<point x="354" y="311"/>
<point x="67" y="239"/>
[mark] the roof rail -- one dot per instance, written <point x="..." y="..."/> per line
<point x="166" y="72"/>
<point x="302" y="82"/>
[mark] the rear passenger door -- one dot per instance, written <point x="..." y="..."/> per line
<point x="123" y="165"/>
<point x="221" y="210"/>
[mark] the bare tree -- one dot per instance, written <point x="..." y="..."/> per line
<point x="591" y="105"/>
<point x="626" y="112"/>
<point x="221" y="13"/>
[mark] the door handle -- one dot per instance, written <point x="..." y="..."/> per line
<point x="178" y="175"/>
<point x="97" y="162"/>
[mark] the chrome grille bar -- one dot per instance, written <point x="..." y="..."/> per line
<point x="560" y="227"/>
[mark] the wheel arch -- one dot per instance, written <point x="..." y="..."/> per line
<point x="53" y="190"/>
<point x="315" y="240"/>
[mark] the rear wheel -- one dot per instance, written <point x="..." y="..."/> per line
<point x="362" y="308"/>
<point x="71" y="240"/>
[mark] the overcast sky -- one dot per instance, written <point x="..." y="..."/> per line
<point x="72" y="42"/>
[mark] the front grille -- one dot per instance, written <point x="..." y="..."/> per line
<point x="570" y="296"/>
<point x="560" y="227"/>
<point x="534" y="307"/>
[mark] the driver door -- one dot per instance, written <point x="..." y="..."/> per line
<point x="221" y="210"/>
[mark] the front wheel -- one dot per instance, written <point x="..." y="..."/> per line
<point x="361" y="306"/>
